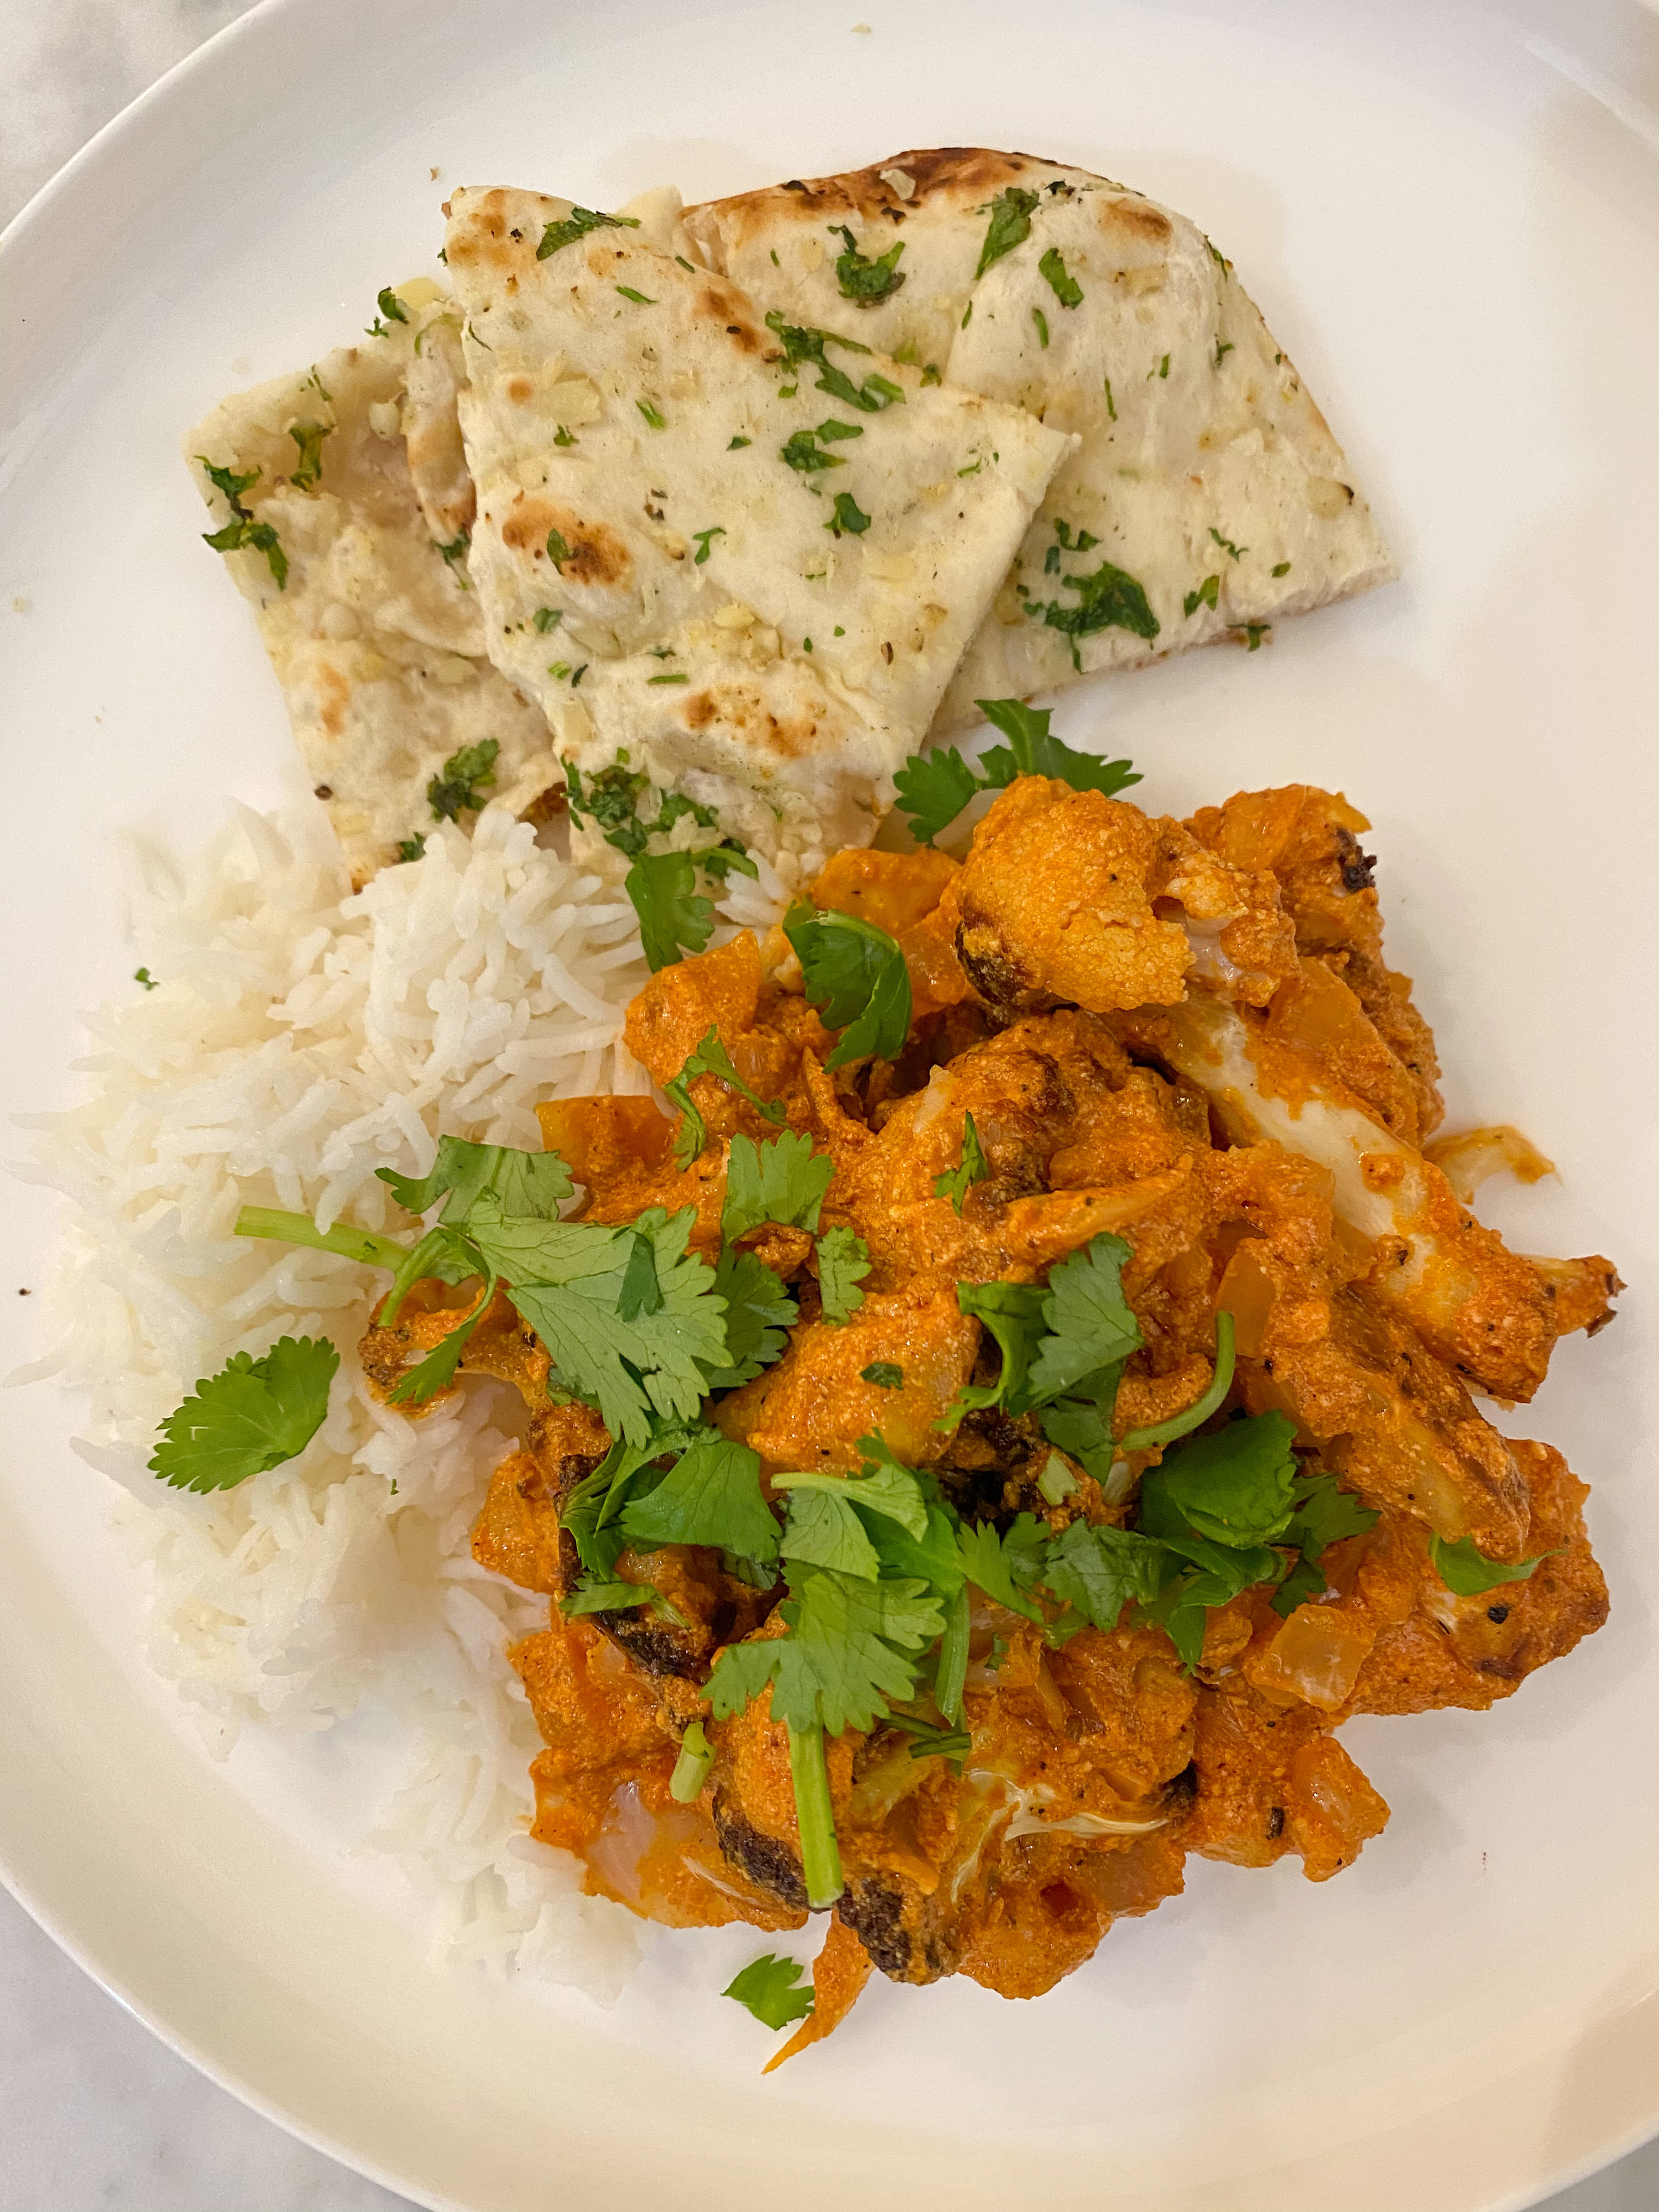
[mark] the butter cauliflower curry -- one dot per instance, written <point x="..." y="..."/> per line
<point x="986" y="1439"/>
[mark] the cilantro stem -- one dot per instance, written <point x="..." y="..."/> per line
<point x="359" y="1244"/>
<point x="1181" y="1424"/>
<point x="691" y="1767"/>
<point x="951" y="1672"/>
<point x="820" y="1853"/>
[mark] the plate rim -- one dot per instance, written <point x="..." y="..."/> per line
<point x="224" y="50"/>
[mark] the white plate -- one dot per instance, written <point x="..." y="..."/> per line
<point x="1456" y="242"/>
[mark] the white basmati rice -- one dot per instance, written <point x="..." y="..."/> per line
<point x="298" y="1039"/>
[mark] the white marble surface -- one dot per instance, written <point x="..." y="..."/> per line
<point x="96" y="2115"/>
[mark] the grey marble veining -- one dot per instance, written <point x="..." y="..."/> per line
<point x="95" y="2114"/>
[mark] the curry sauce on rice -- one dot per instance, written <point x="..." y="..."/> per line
<point x="1072" y="1464"/>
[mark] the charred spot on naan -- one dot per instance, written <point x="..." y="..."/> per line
<point x="596" y="556"/>
<point x="957" y="173"/>
<point x="488" y="239"/>
<point x="1132" y="220"/>
<point x="740" y="711"/>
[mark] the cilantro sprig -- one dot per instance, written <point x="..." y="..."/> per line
<point x="1010" y="226"/>
<point x="934" y="788"/>
<point x="252" y="1415"/>
<point x="1467" y="1572"/>
<point x="242" y="531"/>
<point x="675" y="916"/>
<point x="855" y="975"/>
<point x="863" y="279"/>
<point x="710" y="1057"/>
<point x="577" y="224"/>
<point x="972" y="1168"/>
<point x="457" y="786"/>
<point x="804" y="346"/>
<point x="1109" y="599"/>
<point x="767" y="1988"/>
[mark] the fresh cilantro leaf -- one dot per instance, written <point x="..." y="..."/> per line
<point x="759" y="1313"/>
<point x="768" y="1989"/>
<point x="932" y="1741"/>
<point x="455" y="556"/>
<point x="866" y="281"/>
<point x="1464" y="1569"/>
<point x="885" y="1488"/>
<point x="253" y="1414"/>
<point x="1010" y="226"/>
<point x="851" y="1645"/>
<point x="1227" y="546"/>
<point x="674" y="916"/>
<point x="455" y="789"/>
<point x="843" y="1262"/>
<point x="577" y="224"/>
<point x="1031" y="751"/>
<point x="719" y="860"/>
<point x="1205" y="595"/>
<point x="701" y="539"/>
<point x="832" y="432"/>
<point x="804" y="345"/>
<point x="1004" y="1567"/>
<point x="1110" y="599"/>
<point x="1193" y="1416"/>
<point x="226" y="481"/>
<point x="1282" y="568"/>
<point x="933" y="790"/>
<point x="1013" y="1312"/>
<point x="652" y="414"/>
<point x="781" y="1179"/>
<point x="592" y="1596"/>
<point x="309" y="437"/>
<point x="390" y="306"/>
<point x="533" y="1183"/>
<point x="711" y="1495"/>
<point x="800" y="451"/>
<point x="1065" y="288"/>
<point x="411" y="849"/>
<point x="547" y="618"/>
<point x="884" y="1374"/>
<point x="1100" y="1570"/>
<point x="856" y="975"/>
<point x="142" y="975"/>
<point x="610" y="801"/>
<point x="567" y="1280"/>
<point x="1091" y="1326"/>
<point x="848" y="517"/>
<point x="736" y="442"/>
<point x="1304" y="1582"/>
<point x="1253" y="634"/>
<point x="973" y="1167"/>
<point x="1041" y="322"/>
<point x="822" y="1530"/>
<point x="710" y="1057"/>
<point x="1082" y="1427"/>
<point x="1236" y="1485"/>
<point x="260" y="536"/>
<point x="642" y="1293"/>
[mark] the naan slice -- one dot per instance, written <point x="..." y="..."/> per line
<point x="748" y="558"/>
<point x="1207" y="496"/>
<point x="344" y="506"/>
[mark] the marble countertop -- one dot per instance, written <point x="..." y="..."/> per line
<point x="95" y="2114"/>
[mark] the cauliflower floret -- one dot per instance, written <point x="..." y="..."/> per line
<point x="1069" y="896"/>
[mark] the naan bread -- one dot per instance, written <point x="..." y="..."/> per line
<point x="1205" y="473"/>
<point x="767" y="639"/>
<point x="377" y="639"/>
